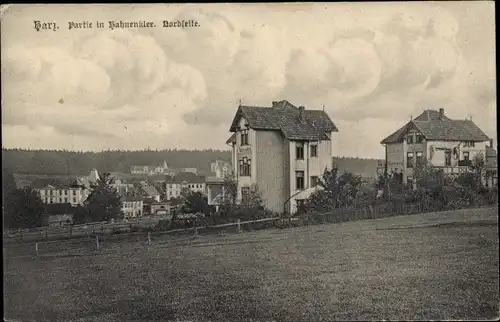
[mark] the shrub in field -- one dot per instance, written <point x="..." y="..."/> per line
<point x="164" y="224"/>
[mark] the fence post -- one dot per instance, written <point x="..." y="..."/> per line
<point x="47" y="233"/>
<point x="239" y="226"/>
<point x="36" y="248"/>
<point x="149" y="238"/>
<point x="93" y="229"/>
<point x="97" y="241"/>
<point x="70" y="231"/>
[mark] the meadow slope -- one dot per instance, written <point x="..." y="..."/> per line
<point x="431" y="266"/>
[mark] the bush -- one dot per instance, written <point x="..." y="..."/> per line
<point x="163" y="224"/>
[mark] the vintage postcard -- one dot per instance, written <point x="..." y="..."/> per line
<point x="249" y="162"/>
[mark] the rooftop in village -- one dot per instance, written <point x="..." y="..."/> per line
<point x="435" y="125"/>
<point x="40" y="181"/>
<point x="188" y="177"/>
<point x="295" y="123"/>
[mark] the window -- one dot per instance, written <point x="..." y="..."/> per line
<point x="299" y="151"/>
<point x="469" y="144"/>
<point x="420" y="138"/>
<point x="66" y="200"/>
<point x="420" y="158"/>
<point x="244" y="137"/>
<point x="245" y="167"/>
<point x="314" y="181"/>
<point x="74" y="199"/>
<point x="245" y="195"/>
<point x="466" y="157"/>
<point x="299" y="180"/>
<point x="447" y="158"/>
<point x="314" y="151"/>
<point x="409" y="139"/>
<point x="409" y="160"/>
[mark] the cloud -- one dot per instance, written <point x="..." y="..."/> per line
<point x="372" y="66"/>
<point x="133" y="79"/>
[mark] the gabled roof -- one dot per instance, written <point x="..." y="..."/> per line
<point x="433" y="127"/>
<point x="150" y="191"/>
<point x="232" y="139"/>
<point x="285" y="117"/>
<point x="40" y="181"/>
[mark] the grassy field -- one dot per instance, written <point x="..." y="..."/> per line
<point x="432" y="266"/>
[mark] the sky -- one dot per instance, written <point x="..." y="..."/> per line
<point x="372" y="66"/>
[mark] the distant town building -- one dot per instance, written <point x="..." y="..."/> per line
<point x="71" y="190"/>
<point x="283" y="150"/>
<point x="450" y="145"/>
<point x="155" y="170"/>
<point x="184" y="180"/>
<point x="132" y="206"/>
<point x="149" y="170"/>
<point x="221" y="168"/>
<point x="150" y="192"/>
<point x="491" y="178"/>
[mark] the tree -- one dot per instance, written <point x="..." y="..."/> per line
<point x="195" y="202"/>
<point x="334" y="192"/>
<point x="23" y="209"/>
<point x="103" y="203"/>
<point x="230" y="187"/>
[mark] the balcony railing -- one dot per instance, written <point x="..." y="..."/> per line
<point x="454" y="169"/>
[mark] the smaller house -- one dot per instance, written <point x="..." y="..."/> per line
<point x="183" y="180"/>
<point x="491" y="179"/>
<point x="132" y="206"/>
<point x="161" y="208"/>
<point x="150" y="192"/>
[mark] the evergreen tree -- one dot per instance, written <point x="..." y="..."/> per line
<point x="23" y="208"/>
<point x="103" y="203"/>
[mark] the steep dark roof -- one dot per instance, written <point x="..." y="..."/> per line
<point x="285" y="117"/>
<point x="39" y="181"/>
<point x="189" y="177"/>
<point x="445" y="129"/>
<point x="150" y="191"/>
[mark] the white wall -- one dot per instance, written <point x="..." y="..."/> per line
<point x="314" y="166"/>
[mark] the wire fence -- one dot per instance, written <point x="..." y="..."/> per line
<point x="95" y="242"/>
<point x="96" y="237"/>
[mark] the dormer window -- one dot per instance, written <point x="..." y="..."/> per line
<point x="244" y="137"/>
<point x="420" y="138"/>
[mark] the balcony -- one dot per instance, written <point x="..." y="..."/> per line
<point x="457" y="169"/>
<point x="464" y="163"/>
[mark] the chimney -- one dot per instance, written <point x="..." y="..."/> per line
<point x="301" y="112"/>
<point x="441" y="113"/>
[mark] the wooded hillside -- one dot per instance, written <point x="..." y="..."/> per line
<point x="80" y="163"/>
